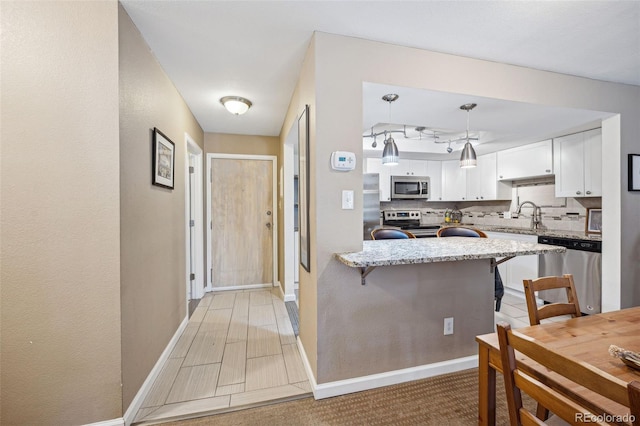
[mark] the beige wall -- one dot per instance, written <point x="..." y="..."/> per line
<point x="305" y="94"/>
<point x="152" y="233"/>
<point x="341" y="66"/>
<point x="60" y="254"/>
<point x="222" y="143"/>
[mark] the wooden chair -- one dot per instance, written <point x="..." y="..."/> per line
<point x="391" y="234"/>
<point x="536" y="314"/>
<point x="634" y="401"/>
<point x="563" y="406"/>
<point x="460" y="231"/>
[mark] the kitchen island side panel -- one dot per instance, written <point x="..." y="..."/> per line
<point x="396" y="320"/>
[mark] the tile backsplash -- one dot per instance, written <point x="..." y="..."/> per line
<point x="561" y="214"/>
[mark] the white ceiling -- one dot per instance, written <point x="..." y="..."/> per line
<point x="255" y="49"/>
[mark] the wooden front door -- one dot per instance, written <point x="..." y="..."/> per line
<point x="241" y="222"/>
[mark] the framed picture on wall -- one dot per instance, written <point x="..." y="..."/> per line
<point x="164" y="160"/>
<point x="594" y="221"/>
<point x="303" y="188"/>
<point x="634" y="172"/>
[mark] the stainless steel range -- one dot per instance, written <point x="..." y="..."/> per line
<point x="409" y="220"/>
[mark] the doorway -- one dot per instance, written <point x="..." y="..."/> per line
<point x="242" y="236"/>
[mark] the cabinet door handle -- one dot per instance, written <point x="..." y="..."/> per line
<point x="548" y="171"/>
<point x="500" y="176"/>
<point x="578" y="192"/>
<point x="482" y="198"/>
<point x="588" y="192"/>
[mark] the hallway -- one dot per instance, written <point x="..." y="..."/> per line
<point x="237" y="351"/>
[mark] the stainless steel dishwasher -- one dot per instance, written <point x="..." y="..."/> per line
<point x="583" y="259"/>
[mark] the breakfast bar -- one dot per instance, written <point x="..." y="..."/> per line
<point x="424" y="302"/>
<point x="453" y="249"/>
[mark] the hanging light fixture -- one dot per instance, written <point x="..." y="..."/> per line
<point x="236" y="104"/>
<point x="468" y="157"/>
<point x="390" y="152"/>
<point x="390" y="155"/>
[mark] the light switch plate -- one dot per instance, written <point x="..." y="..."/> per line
<point x="347" y="199"/>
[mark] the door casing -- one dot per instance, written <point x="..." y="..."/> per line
<point x="192" y="148"/>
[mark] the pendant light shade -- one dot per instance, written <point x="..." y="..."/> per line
<point x="390" y="155"/>
<point x="468" y="157"/>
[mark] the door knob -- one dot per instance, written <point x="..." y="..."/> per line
<point x="268" y="212"/>
<point x="269" y="225"/>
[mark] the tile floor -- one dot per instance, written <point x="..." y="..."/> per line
<point x="238" y="350"/>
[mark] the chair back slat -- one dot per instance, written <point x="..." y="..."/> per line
<point x="536" y="314"/>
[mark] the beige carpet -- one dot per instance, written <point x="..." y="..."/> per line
<point x="450" y="399"/>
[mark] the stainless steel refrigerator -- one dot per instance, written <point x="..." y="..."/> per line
<point x="370" y="203"/>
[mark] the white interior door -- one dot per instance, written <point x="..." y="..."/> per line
<point x="242" y="225"/>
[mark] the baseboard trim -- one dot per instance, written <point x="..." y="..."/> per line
<point x="357" y="384"/>
<point x="130" y="414"/>
<point x="113" y="422"/>
<point x="244" y="287"/>
<point x="286" y="297"/>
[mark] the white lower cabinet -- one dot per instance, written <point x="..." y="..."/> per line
<point x="520" y="268"/>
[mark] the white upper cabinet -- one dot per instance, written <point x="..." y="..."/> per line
<point x="527" y="161"/>
<point x="374" y="165"/>
<point x="410" y="168"/>
<point x="454" y="181"/>
<point x="482" y="183"/>
<point x="434" y="171"/>
<point x="477" y="183"/>
<point x="578" y="164"/>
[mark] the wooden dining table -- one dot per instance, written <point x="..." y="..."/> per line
<point x="585" y="338"/>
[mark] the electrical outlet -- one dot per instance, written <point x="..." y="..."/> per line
<point x="448" y="326"/>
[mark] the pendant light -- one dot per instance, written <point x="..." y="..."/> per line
<point x="468" y="157"/>
<point x="390" y="155"/>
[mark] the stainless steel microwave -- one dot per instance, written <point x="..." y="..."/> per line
<point x="410" y="187"/>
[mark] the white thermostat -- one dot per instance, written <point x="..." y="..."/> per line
<point x="343" y="160"/>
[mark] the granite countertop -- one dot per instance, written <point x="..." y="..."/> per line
<point x="430" y="250"/>
<point x="528" y="231"/>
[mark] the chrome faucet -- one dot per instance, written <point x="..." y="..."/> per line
<point x="536" y="217"/>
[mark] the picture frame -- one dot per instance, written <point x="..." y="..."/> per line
<point x="593" y="223"/>
<point x="304" y="189"/>
<point x="634" y="172"/>
<point x="164" y="160"/>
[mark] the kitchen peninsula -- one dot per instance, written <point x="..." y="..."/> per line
<point x="390" y="330"/>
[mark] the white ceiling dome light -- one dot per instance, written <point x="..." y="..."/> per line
<point x="236" y="104"/>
